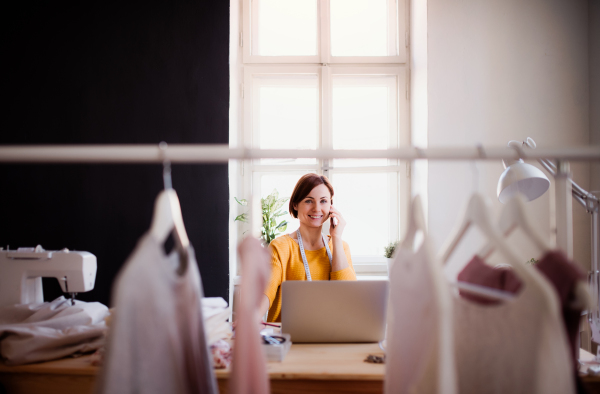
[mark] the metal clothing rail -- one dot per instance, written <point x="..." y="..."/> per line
<point x="222" y="153"/>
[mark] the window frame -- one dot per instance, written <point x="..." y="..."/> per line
<point x="325" y="66"/>
<point x="398" y="26"/>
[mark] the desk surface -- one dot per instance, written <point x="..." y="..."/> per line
<point x="322" y="361"/>
<point x="323" y="368"/>
<point x="315" y="368"/>
<point x="326" y="362"/>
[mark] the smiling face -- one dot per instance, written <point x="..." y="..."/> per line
<point x="313" y="210"/>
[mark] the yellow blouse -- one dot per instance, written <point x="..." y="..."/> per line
<point x="286" y="264"/>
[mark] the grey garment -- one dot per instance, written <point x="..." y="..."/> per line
<point x="157" y="341"/>
<point x="516" y="347"/>
<point x="32" y="333"/>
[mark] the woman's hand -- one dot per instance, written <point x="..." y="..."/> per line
<point x="336" y="232"/>
<point x="339" y="260"/>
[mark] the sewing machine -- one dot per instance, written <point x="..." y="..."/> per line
<point x="21" y="273"/>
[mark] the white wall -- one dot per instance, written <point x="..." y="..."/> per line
<point x="418" y="94"/>
<point x="499" y="70"/>
<point x="594" y="48"/>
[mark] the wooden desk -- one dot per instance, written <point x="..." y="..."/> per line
<point x="326" y="368"/>
<point x="68" y="376"/>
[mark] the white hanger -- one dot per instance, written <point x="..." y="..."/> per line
<point x="477" y="213"/>
<point x="513" y="215"/>
<point x="416" y="223"/>
<point x="167" y="217"/>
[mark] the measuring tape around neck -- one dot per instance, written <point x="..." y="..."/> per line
<point x="308" y="277"/>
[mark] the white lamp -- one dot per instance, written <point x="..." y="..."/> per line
<point x="520" y="177"/>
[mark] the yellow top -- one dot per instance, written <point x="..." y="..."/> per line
<point x="286" y="264"/>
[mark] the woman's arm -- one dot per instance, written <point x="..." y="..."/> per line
<point x="339" y="259"/>
<point x="264" y="307"/>
<point x="275" y="279"/>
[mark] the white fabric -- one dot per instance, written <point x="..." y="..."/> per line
<point x="249" y="369"/>
<point x="419" y="350"/>
<point x="41" y="332"/>
<point x="517" y="347"/>
<point x="216" y="312"/>
<point x="157" y="343"/>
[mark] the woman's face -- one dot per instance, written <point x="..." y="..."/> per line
<point x="313" y="210"/>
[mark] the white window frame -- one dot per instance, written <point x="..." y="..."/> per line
<point x="325" y="66"/>
<point x="398" y="27"/>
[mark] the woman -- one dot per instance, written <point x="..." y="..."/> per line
<point x="311" y="202"/>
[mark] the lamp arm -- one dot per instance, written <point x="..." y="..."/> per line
<point x="579" y="199"/>
<point x="548" y="165"/>
<point x="579" y="194"/>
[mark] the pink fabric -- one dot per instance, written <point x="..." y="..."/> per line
<point x="221" y="354"/>
<point x="478" y="272"/>
<point x="249" y="370"/>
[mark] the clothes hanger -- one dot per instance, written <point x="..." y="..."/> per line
<point x="513" y="215"/>
<point x="416" y="223"/>
<point x="167" y="217"/>
<point x="477" y="213"/>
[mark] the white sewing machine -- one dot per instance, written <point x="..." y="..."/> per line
<point x="21" y="273"/>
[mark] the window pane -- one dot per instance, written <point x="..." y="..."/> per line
<point x="284" y="27"/>
<point x="365" y="201"/>
<point x="286" y="114"/>
<point x="362" y="28"/>
<point x="364" y="115"/>
<point x="284" y="184"/>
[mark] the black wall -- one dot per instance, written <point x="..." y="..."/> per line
<point x="114" y="74"/>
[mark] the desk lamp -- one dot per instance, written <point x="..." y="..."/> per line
<point x="520" y="177"/>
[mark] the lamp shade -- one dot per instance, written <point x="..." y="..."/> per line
<point x="522" y="178"/>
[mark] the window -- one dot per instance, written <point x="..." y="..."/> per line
<point x="329" y="74"/>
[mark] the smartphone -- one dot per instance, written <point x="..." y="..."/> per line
<point x="333" y="221"/>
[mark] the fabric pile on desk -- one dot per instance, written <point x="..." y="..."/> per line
<point x="32" y="333"/>
<point x="218" y="330"/>
<point x="216" y="312"/>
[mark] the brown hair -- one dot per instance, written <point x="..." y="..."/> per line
<point x="303" y="188"/>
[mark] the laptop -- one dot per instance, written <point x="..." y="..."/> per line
<point x="334" y="311"/>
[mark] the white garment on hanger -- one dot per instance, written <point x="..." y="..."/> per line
<point x="157" y="341"/>
<point x="419" y="352"/>
<point x="519" y="346"/>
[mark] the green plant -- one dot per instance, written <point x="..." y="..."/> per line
<point x="532" y="261"/>
<point x="270" y="212"/>
<point x="388" y="251"/>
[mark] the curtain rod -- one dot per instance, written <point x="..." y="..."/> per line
<point x="222" y="153"/>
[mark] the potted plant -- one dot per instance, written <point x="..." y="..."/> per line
<point x="270" y="212"/>
<point x="388" y="253"/>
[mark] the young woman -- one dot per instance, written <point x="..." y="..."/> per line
<point x="328" y="257"/>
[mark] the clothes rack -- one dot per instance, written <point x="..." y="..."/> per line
<point x="222" y="153"/>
